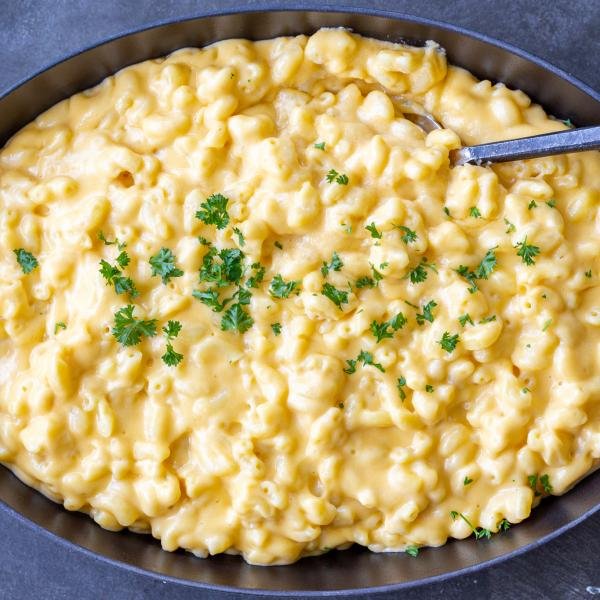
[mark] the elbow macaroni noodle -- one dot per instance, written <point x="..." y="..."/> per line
<point x="262" y="444"/>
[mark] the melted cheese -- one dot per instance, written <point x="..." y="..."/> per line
<point x="263" y="444"/>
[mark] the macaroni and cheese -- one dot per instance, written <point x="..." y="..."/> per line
<point x="247" y="307"/>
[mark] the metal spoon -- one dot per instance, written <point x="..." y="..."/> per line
<point x="546" y="144"/>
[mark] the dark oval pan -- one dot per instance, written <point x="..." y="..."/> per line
<point x="355" y="570"/>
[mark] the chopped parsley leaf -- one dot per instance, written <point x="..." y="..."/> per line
<point x="259" y="274"/>
<point x="377" y="276"/>
<point x="412" y="551"/>
<point x="59" y="325"/>
<point x="213" y="211"/>
<point x="474" y="212"/>
<point x="386" y="329"/>
<point x="527" y="252"/>
<point x="467" y="481"/>
<point x="364" y="282"/>
<point x="510" y="227"/>
<point x="532" y="480"/>
<point x="429" y="388"/>
<point x="419" y="273"/>
<point x="338" y="297"/>
<point x="546" y="485"/>
<point x="240" y="237"/>
<point x="114" y="276"/>
<point x="479" y="532"/>
<point x="447" y="211"/>
<point x="366" y="358"/>
<point x="408" y="235"/>
<point x="547" y="324"/>
<point x="400" y="384"/>
<point x="171" y="331"/>
<point x="487" y="319"/>
<point x="228" y="271"/>
<point x="279" y="245"/>
<point x="335" y="264"/>
<point x="163" y="264"/>
<point x="487" y="265"/>
<point x="485" y="268"/>
<point x="236" y="318"/>
<point x="551" y="203"/>
<point x="27" y="261"/>
<point x="170" y="357"/>
<point x="339" y="178"/>
<point x="108" y="271"/>
<point x="129" y="330"/>
<point x="532" y="204"/>
<point x="427" y="314"/>
<point x="588" y="274"/>
<point x="125" y="285"/>
<point x="448" y="342"/>
<point x="470" y="276"/>
<point x="123" y="259"/>
<point x="102" y="238"/>
<point x="320" y="146"/>
<point x="503" y="525"/>
<point x="464" y="319"/>
<point x="210" y="297"/>
<point x="375" y="233"/>
<point x="276" y="327"/>
<point x="282" y="289"/>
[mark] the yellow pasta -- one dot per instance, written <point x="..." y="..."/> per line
<point x="407" y="352"/>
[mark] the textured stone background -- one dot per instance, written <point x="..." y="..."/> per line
<point x="35" y="33"/>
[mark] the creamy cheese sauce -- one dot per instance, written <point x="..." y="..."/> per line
<point x="305" y="432"/>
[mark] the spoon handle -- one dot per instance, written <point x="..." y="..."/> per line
<point x="561" y="142"/>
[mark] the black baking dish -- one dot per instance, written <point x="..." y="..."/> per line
<point x="355" y="570"/>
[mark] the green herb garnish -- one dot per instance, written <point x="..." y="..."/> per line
<point x="280" y="288"/>
<point x="400" y="384"/>
<point x="129" y="330"/>
<point x="372" y="229"/>
<point x="240" y="237"/>
<point x="120" y="245"/>
<point x="27" y="261"/>
<point x="386" y="329"/>
<point x="427" y="314"/>
<point x="366" y="358"/>
<point x="236" y="318"/>
<point x="448" y="342"/>
<point x="527" y="251"/>
<point x="338" y="297"/>
<point x="213" y="211"/>
<point x="340" y="178"/>
<point x="479" y="532"/>
<point x="408" y="236"/>
<point x="335" y="264"/>
<point x="464" y="319"/>
<point x="163" y="264"/>
<point x="171" y="331"/>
